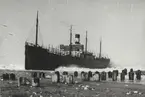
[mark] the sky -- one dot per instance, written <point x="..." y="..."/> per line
<point x="120" y="23"/>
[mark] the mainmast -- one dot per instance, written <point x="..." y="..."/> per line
<point x="36" y="42"/>
<point x="100" y="55"/>
<point x="86" y="42"/>
<point x="70" y="46"/>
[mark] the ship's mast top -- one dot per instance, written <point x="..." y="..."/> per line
<point x="70" y="46"/>
<point x="36" y="42"/>
<point x="86" y="42"/>
<point x="100" y="55"/>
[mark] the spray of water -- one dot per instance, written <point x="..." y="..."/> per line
<point x="73" y="67"/>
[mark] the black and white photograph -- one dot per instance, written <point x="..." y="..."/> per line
<point x="72" y="48"/>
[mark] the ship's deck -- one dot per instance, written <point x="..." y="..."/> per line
<point x="59" y="52"/>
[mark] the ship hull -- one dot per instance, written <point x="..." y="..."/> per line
<point x="37" y="58"/>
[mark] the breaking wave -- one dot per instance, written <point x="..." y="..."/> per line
<point x="11" y="67"/>
<point x="74" y="67"/>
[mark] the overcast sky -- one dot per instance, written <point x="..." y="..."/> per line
<point x="120" y="23"/>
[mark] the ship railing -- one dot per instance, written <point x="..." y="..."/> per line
<point x="50" y="49"/>
<point x="57" y="51"/>
<point x="63" y="53"/>
<point x="32" y="44"/>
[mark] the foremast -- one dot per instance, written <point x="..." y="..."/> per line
<point x="37" y="22"/>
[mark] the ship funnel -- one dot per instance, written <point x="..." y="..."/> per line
<point x="77" y="36"/>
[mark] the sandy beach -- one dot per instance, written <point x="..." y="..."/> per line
<point x="83" y="89"/>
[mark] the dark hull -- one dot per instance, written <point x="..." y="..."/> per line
<point x="38" y="58"/>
